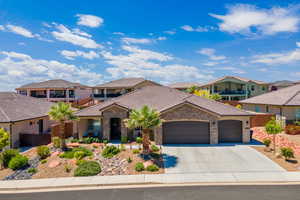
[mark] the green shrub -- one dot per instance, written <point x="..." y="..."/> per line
<point x="70" y="153"/>
<point x="74" y="140"/>
<point x="88" y="168"/>
<point x="79" y="162"/>
<point x="105" y="142"/>
<point x="267" y="142"/>
<point x="43" y="161"/>
<point x="139" y="167"/>
<point x="154" y="148"/>
<point x="7" y="155"/>
<point x="287" y="152"/>
<point x="136" y="151"/>
<point x="56" y="142"/>
<point x="110" y="151"/>
<point x="124" y="139"/>
<point x="152" y="168"/>
<point x="18" y="162"/>
<point x="139" y="140"/>
<point x="32" y="170"/>
<point x="79" y="155"/>
<point x="90" y="140"/>
<point x="129" y="160"/>
<point x="43" y="151"/>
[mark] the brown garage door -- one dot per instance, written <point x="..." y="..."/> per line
<point x="186" y="132"/>
<point x="230" y="131"/>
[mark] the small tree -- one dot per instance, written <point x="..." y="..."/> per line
<point x="206" y="94"/>
<point x="146" y="119"/>
<point x="273" y="127"/>
<point x="192" y="89"/>
<point x="4" y="141"/>
<point x="62" y="112"/>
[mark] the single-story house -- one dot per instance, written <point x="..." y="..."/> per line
<point x="21" y="114"/>
<point x="284" y="102"/>
<point x="187" y="118"/>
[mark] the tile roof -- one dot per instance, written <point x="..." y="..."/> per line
<point x="289" y="96"/>
<point x="16" y="107"/>
<point x="56" y="83"/>
<point x="162" y="98"/>
<point x="184" y="84"/>
<point x="122" y="83"/>
<point x="235" y="77"/>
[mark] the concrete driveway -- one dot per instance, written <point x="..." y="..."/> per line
<point x="216" y="159"/>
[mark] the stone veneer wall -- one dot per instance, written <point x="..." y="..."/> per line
<point x="113" y="112"/>
<point x="188" y="112"/>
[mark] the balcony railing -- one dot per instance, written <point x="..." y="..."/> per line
<point x="38" y="96"/>
<point x="231" y="92"/>
<point x="57" y="96"/>
<point x="107" y="95"/>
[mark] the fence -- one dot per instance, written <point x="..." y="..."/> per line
<point x="27" y="139"/>
<point x="260" y="119"/>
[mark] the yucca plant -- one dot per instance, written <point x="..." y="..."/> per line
<point x="62" y="112"/>
<point x="146" y="119"/>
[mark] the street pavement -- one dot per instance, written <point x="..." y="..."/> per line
<point x="227" y="192"/>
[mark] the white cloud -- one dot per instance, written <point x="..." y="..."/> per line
<point x="17" y="69"/>
<point x="129" y="40"/>
<point x="170" y="32"/>
<point x="147" y="63"/>
<point x="161" y="38"/>
<point x="72" y="54"/>
<point x="248" y="19"/>
<point x="197" y="29"/>
<point x="66" y="35"/>
<point x="82" y="33"/>
<point x="232" y="69"/>
<point x="89" y="20"/>
<point x="2" y="28"/>
<point x="211" y="63"/>
<point x="278" y="58"/>
<point x="211" y="54"/>
<point x="118" y="33"/>
<point x="19" y="30"/>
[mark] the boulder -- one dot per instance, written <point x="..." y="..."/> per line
<point x="54" y="163"/>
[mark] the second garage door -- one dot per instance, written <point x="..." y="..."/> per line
<point x="230" y="131"/>
<point x="186" y="132"/>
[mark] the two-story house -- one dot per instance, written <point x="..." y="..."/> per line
<point x="56" y="90"/>
<point x="119" y="87"/>
<point x="233" y="88"/>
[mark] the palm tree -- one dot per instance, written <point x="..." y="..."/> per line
<point x="62" y="112"/>
<point x="146" y="119"/>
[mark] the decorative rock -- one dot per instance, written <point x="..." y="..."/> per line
<point x="56" y="153"/>
<point x="75" y="144"/>
<point x="147" y="163"/>
<point x="54" y="163"/>
<point x="96" y="144"/>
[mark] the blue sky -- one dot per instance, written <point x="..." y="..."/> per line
<point x="166" y="41"/>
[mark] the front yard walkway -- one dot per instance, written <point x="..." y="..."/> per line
<point x="216" y="159"/>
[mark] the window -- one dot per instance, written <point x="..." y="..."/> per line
<point x="267" y="109"/>
<point x="297" y="112"/>
<point x="263" y="88"/>
<point x="252" y="87"/>
<point x="257" y="109"/>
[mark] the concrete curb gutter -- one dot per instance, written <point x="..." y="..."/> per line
<point x="150" y="180"/>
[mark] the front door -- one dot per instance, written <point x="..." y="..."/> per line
<point x="115" y="128"/>
<point x="41" y="126"/>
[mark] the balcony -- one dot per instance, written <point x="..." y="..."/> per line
<point x="107" y="95"/>
<point x="38" y="96"/>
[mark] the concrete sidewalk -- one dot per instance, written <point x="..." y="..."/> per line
<point x="149" y="179"/>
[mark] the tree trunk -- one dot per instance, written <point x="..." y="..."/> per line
<point x="146" y="141"/>
<point x="274" y="143"/>
<point x="62" y="136"/>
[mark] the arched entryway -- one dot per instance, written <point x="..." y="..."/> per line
<point x="115" y="128"/>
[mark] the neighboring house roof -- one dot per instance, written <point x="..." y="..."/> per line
<point x="16" y="107"/>
<point x="235" y="77"/>
<point x="289" y="96"/>
<point x="162" y="98"/>
<point x="184" y="85"/>
<point x="56" y="83"/>
<point x="122" y="83"/>
<point x="283" y="83"/>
